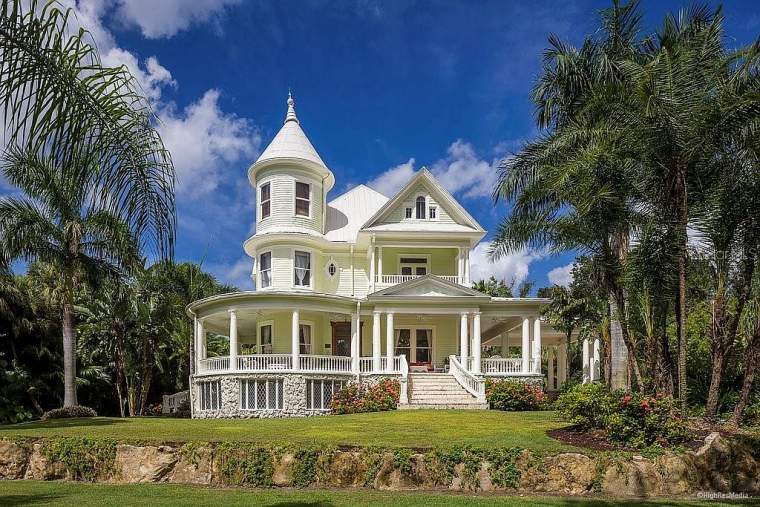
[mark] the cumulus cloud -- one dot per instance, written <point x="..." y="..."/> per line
<point x="562" y="275"/>
<point x="151" y="75"/>
<point x="461" y="171"/>
<point x="203" y="139"/>
<point x="237" y="273"/>
<point x="164" y="18"/>
<point x="510" y="267"/>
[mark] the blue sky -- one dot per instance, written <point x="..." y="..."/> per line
<point x="381" y="89"/>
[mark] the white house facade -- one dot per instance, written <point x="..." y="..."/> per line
<point x="357" y="288"/>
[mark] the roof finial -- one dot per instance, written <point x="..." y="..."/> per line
<point x="291" y="116"/>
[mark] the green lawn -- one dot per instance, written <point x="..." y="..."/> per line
<point x="405" y="428"/>
<point x="84" y="495"/>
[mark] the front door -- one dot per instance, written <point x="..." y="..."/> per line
<point x="341" y="338"/>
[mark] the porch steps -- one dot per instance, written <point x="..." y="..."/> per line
<point x="439" y="391"/>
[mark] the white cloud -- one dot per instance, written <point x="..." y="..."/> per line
<point x="238" y="273"/>
<point x="509" y="267"/>
<point x="203" y="140"/>
<point x="461" y="171"/>
<point x="151" y="76"/>
<point x="164" y="18"/>
<point x="562" y="275"/>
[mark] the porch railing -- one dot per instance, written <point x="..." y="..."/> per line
<point x="214" y="364"/>
<point x="265" y="362"/>
<point x="501" y="366"/>
<point x="396" y="279"/>
<point x="366" y="364"/>
<point x="273" y="363"/>
<point x="473" y="384"/>
<point x="329" y="364"/>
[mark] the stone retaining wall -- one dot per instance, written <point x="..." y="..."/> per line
<point x="720" y="466"/>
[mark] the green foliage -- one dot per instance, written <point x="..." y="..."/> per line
<point x="85" y="458"/>
<point x="359" y="397"/>
<point x="305" y="467"/>
<point x="586" y="405"/>
<point x="513" y="395"/>
<point x="245" y="464"/>
<point x="504" y="472"/>
<point x="68" y="413"/>
<point x="402" y="460"/>
<point x="191" y="451"/>
<point x="643" y="421"/>
<point x="373" y="456"/>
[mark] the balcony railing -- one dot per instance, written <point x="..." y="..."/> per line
<point x="501" y="366"/>
<point x="280" y="363"/>
<point x="396" y="279"/>
<point x="366" y="365"/>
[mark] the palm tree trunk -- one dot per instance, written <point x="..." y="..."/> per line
<point x="69" y="357"/>
<point x="683" y="220"/>
<point x="752" y="357"/>
<point x="618" y="323"/>
<point x="713" y="392"/>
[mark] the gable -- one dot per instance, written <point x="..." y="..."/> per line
<point x="428" y="286"/>
<point x="450" y="215"/>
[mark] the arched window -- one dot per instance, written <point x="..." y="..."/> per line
<point x="420" y="208"/>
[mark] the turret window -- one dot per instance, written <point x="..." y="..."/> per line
<point x="265" y="200"/>
<point x="420" y="208"/>
<point x="265" y="269"/>
<point x="302" y="269"/>
<point x="303" y="201"/>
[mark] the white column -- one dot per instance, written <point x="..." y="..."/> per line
<point x="372" y="268"/>
<point x="561" y="365"/>
<point x="460" y="273"/>
<point x="196" y="343"/>
<point x="537" y="345"/>
<point x="233" y="340"/>
<point x="389" y="332"/>
<point x="596" y="360"/>
<point x="295" y="345"/>
<point x="467" y="267"/>
<point x="355" y="343"/>
<point x="586" y="354"/>
<point x="550" y="383"/>
<point x="376" y="342"/>
<point x="463" y="341"/>
<point x="526" y="345"/>
<point x="476" y="343"/>
<point x="380" y="264"/>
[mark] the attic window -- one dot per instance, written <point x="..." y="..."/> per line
<point x="303" y="202"/>
<point x="432" y="212"/>
<point x="420" y="208"/>
<point x="408" y="213"/>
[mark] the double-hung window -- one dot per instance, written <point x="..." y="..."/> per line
<point x="265" y="339"/>
<point x="303" y="200"/>
<point x="304" y="338"/>
<point x="301" y="269"/>
<point x="265" y="200"/>
<point x="265" y="269"/>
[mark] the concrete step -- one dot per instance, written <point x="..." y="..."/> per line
<point x="448" y="406"/>
<point x="437" y="387"/>
<point x="442" y="395"/>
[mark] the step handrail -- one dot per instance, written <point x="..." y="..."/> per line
<point x="475" y="385"/>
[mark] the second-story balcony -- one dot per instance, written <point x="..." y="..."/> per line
<point x="383" y="281"/>
<point x="394" y="264"/>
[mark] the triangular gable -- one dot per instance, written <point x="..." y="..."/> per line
<point x="428" y="286"/>
<point x="450" y="209"/>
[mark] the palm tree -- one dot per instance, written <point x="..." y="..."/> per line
<point x="55" y="223"/>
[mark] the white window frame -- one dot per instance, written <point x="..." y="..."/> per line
<point x="309" y="324"/>
<point x="434" y="208"/>
<point x="413" y="340"/>
<point x="332" y="260"/>
<point x="269" y="404"/>
<point x="259" y="345"/>
<point x="261" y="202"/>
<point x="312" y="257"/>
<point x="296" y="198"/>
<point x="408" y="210"/>
<point x="317" y="394"/>
<point x="424" y="209"/>
<point x="209" y="392"/>
<point x="259" y="284"/>
<point x="427" y="258"/>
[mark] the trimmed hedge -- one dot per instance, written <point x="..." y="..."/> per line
<point x="68" y="412"/>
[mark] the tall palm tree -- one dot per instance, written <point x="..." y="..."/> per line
<point x="55" y="223"/>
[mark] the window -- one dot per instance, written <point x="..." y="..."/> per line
<point x="319" y="393"/>
<point x="420" y="208"/>
<point x="422" y="353"/>
<point x="265" y="199"/>
<point x="265" y="269"/>
<point x="303" y="202"/>
<point x="431" y="212"/>
<point x="413" y="266"/>
<point x="304" y="338"/>
<point x="331" y="268"/>
<point x="403" y="343"/>
<point x="408" y="213"/>
<point x="265" y="339"/>
<point x="302" y="269"/>
<point x="261" y="394"/>
<point x="416" y="344"/>
<point x="211" y="395"/>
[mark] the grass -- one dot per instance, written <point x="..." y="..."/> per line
<point x="83" y="495"/>
<point x="405" y="428"/>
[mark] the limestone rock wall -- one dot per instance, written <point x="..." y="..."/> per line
<point x="721" y="465"/>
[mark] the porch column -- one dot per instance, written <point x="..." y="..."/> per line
<point x="233" y="340"/>
<point x="380" y="264"/>
<point x="476" y="343"/>
<point x="550" y="379"/>
<point x="467" y="267"/>
<point x="586" y="369"/>
<point x="460" y="273"/>
<point x="197" y="343"/>
<point x="537" y="345"/>
<point x="295" y="345"/>
<point x="389" y="341"/>
<point x="355" y="343"/>
<point x="596" y="360"/>
<point x="376" y="342"/>
<point x="561" y="365"/>
<point x="463" y="341"/>
<point x="526" y="345"/>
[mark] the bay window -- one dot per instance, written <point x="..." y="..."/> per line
<point x="265" y="269"/>
<point x="265" y="197"/>
<point x="303" y="200"/>
<point x="301" y="269"/>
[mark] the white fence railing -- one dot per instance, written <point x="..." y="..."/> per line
<point x="265" y="362"/>
<point x="329" y="364"/>
<point x="501" y="366"/>
<point x="472" y="384"/>
<point x="396" y="279"/>
<point x="366" y="364"/>
<point x="273" y="363"/>
<point x="214" y="364"/>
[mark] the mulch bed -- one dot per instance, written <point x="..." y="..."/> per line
<point x="597" y="439"/>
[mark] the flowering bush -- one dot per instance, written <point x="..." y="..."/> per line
<point x="586" y="405"/>
<point x="513" y="395"/>
<point x="356" y="398"/>
<point x="641" y="421"/>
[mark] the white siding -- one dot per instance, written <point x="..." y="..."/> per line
<point x="397" y="214"/>
<point x="282" y="180"/>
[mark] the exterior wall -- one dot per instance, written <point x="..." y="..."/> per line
<point x="443" y="261"/>
<point x="282" y="179"/>
<point x="397" y="215"/>
<point x="282" y="331"/>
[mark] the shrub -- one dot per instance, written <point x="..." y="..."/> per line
<point x="182" y="410"/>
<point x="68" y="412"/>
<point x="357" y="398"/>
<point x="586" y="405"/>
<point x="752" y="414"/>
<point x="513" y="395"/>
<point x="641" y="421"/>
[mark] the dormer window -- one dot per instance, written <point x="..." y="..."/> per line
<point x="420" y="208"/>
<point x="408" y="213"/>
<point x="303" y="201"/>
<point x="432" y="212"/>
<point x="264" y="200"/>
